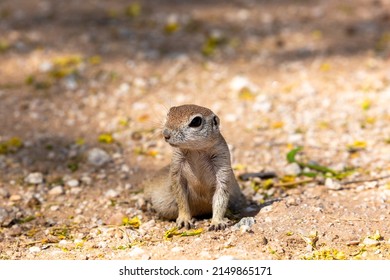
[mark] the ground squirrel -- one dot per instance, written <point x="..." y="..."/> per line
<point x="200" y="179"/>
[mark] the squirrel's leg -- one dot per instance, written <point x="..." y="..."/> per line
<point x="220" y="202"/>
<point x="179" y="187"/>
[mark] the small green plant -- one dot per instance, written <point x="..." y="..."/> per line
<point x="315" y="168"/>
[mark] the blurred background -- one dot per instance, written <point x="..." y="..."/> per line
<point x="104" y="73"/>
<point x="85" y="87"/>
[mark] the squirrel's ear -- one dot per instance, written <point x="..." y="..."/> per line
<point x="216" y="121"/>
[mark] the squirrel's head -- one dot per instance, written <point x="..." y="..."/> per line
<point x="191" y="127"/>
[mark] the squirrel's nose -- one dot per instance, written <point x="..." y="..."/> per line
<point x="166" y="134"/>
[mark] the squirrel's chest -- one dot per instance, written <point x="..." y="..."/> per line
<point x="199" y="174"/>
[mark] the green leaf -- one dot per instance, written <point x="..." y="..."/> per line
<point x="291" y="154"/>
<point x="320" y="168"/>
<point x="171" y="233"/>
<point x="73" y="166"/>
<point x="309" y="174"/>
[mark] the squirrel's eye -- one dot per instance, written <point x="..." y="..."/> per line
<point x="196" y="122"/>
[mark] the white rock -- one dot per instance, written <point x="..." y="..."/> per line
<point x="78" y="241"/>
<point x="57" y="190"/>
<point x="245" y="228"/>
<point x="331" y="184"/>
<point x="263" y="106"/>
<point x="231" y="118"/>
<point x="239" y="82"/>
<point x="177" y="249"/>
<point x="34" y="249"/>
<point x="292" y="169"/>
<point x="72" y="183"/>
<point x="63" y="242"/>
<point x="54" y="208"/>
<point x="370" y="242"/>
<point x="86" y="180"/>
<point x="148" y="225"/>
<point x="123" y="89"/>
<point x="34" y="178"/>
<point x="15" y="197"/>
<point x="295" y="138"/>
<point x="125" y="168"/>
<point x="204" y="254"/>
<point x="226" y="258"/>
<point x="140" y="106"/>
<point x="79" y="219"/>
<point x="246" y="222"/>
<point x="70" y="82"/>
<point x="111" y="193"/>
<point x="98" y="157"/>
<point x="136" y="251"/>
<point x="76" y="190"/>
<point x="45" y="66"/>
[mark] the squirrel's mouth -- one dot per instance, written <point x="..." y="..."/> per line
<point x="173" y="145"/>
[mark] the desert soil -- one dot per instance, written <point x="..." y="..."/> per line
<point x="84" y="89"/>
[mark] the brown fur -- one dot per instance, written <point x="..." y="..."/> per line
<point x="199" y="179"/>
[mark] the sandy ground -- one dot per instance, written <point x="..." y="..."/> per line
<point x="84" y="89"/>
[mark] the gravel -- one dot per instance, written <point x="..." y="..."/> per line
<point x="73" y="183"/>
<point x="57" y="190"/>
<point x="280" y="78"/>
<point x="98" y="157"/>
<point x="34" y="178"/>
<point x="3" y="215"/>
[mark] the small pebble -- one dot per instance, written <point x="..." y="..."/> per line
<point x="204" y="254"/>
<point x="15" y="197"/>
<point x="246" y="223"/>
<point x="34" y="178"/>
<point x="177" y="249"/>
<point x="72" y="183"/>
<point x="245" y="228"/>
<point x="136" y="251"/>
<point x="111" y="193"/>
<point x="76" y="190"/>
<point x="370" y="242"/>
<point x="331" y="184"/>
<point x="292" y="169"/>
<point x="125" y="168"/>
<point x="226" y="258"/>
<point x="54" y="208"/>
<point x="98" y="157"/>
<point x="4" y="193"/>
<point x="148" y="225"/>
<point x="3" y="215"/>
<point x="78" y="241"/>
<point x="116" y="219"/>
<point x="79" y="219"/>
<point x="16" y="230"/>
<point x="63" y="242"/>
<point x="86" y="180"/>
<point x="34" y="249"/>
<point x="57" y="190"/>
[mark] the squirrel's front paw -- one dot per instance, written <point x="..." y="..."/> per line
<point x="186" y="222"/>
<point x="218" y="225"/>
